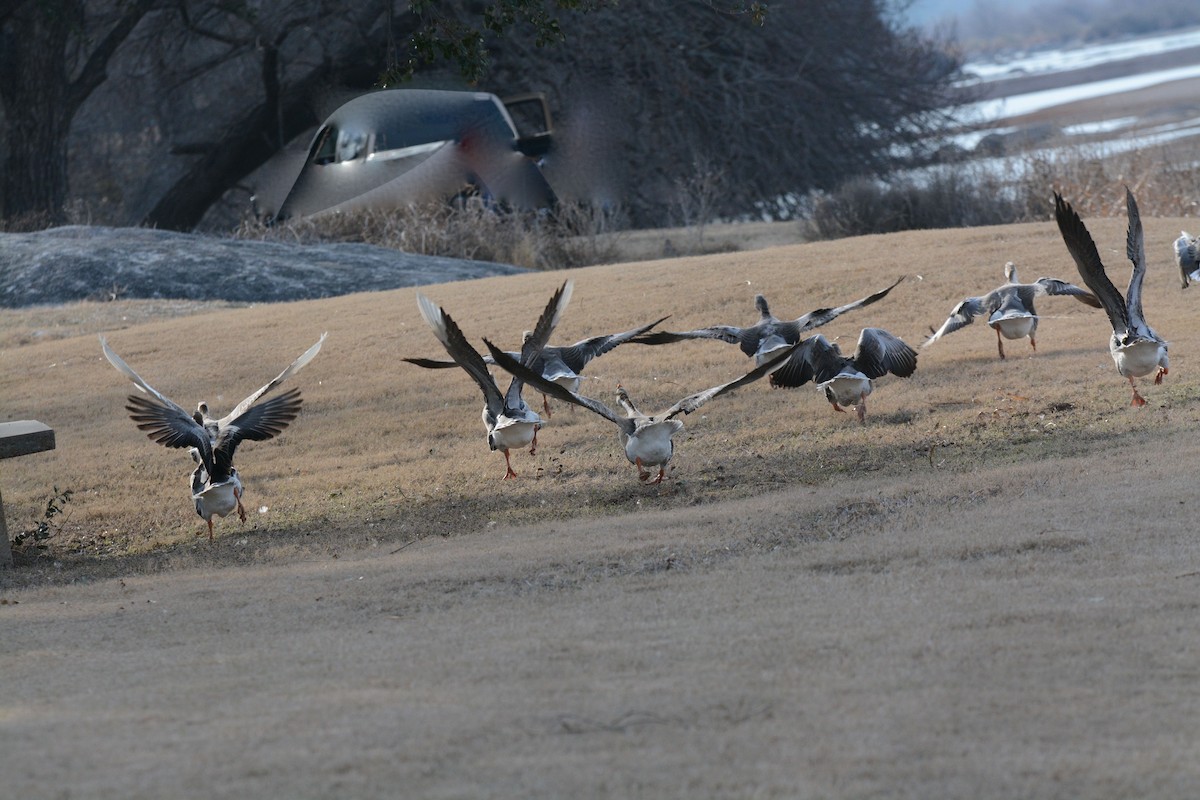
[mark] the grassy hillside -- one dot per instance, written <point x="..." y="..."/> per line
<point x="385" y="452"/>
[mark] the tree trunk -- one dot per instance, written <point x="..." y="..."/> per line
<point x="38" y="106"/>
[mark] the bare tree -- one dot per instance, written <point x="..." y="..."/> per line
<point x="53" y="55"/>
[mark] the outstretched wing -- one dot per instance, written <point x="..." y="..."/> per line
<point x="307" y="356"/>
<point x="879" y="353"/>
<point x="822" y="316"/>
<point x="690" y="403"/>
<point x="800" y="368"/>
<point x="535" y="342"/>
<point x="1053" y="286"/>
<point x="451" y="337"/>
<point x="523" y="373"/>
<point x="1091" y="268"/>
<point x="961" y="316"/>
<point x="579" y="354"/>
<point x="730" y="334"/>
<point x="161" y="418"/>
<point x="257" y="423"/>
<point x="1135" y="248"/>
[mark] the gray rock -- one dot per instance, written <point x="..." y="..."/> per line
<point x="79" y="262"/>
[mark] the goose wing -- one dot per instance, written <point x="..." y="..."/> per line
<point x="257" y="423"/>
<point x="305" y="357"/>
<point x="801" y="366"/>
<point x="1054" y="287"/>
<point x="1091" y="268"/>
<point x="692" y="402"/>
<point x="159" y="416"/>
<point x="745" y="338"/>
<point x="523" y="373"/>
<point x="960" y="317"/>
<point x="879" y="353"/>
<point x="451" y="336"/>
<point x="578" y="355"/>
<point x="535" y="342"/>
<point x="821" y="316"/>
<point x="1135" y="248"/>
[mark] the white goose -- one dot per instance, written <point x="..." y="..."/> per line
<point x="1187" y="256"/>
<point x="647" y="440"/>
<point x="1010" y="308"/>
<point x="1136" y="349"/>
<point x="510" y="422"/>
<point x="216" y="486"/>
<point x="846" y="380"/>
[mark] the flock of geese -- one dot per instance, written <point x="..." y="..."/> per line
<point x="781" y="349"/>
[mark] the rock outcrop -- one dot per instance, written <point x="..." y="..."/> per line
<point x="79" y="262"/>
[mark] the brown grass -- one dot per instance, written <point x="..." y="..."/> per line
<point x="963" y="597"/>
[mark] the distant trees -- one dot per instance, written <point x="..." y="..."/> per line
<point x="693" y="104"/>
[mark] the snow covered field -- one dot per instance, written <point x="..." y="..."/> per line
<point x="1131" y="94"/>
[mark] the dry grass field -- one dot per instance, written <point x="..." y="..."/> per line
<point x="988" y="590"/>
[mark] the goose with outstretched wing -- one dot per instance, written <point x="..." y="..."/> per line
<point x="770" y="334"/>
<point x="1009" y="308"/>
<point x="646" y="439"/>
<point x="1136" y="349"/>
<point x="562" y="364"/>
<point x="510" y="422"/>
<point x="216" y="485"/>
<point x="847" y="380"/>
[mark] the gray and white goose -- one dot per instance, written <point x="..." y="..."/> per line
<point x="1136" y="349"/>
<point x="1187" y="256"/>
<point x="216" y="485"/>
<point x="1009" y="308"/>
<point x="770" y="334"/>
<point x="847" y="380"/>
<point x="646" y="439"/>
<point x="562" y="364"/>
<point x="510" y="422"/>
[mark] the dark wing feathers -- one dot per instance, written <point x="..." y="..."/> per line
<point x="578" y="355"/>
<point x="821" y="316"/>
<point x="169" y="425"/>
<point x="879" y="353"/>
<point x="1053" y="286"/>
<point x="257" y="423"/>
<point x="1087" y="260"/>
<point x="798" y="369"/>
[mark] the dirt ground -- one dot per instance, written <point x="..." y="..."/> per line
<point x="989" y="590"/>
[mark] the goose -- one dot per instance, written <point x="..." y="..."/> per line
<point x="762" y="339"/>
<point x="216" y="485"/>
<point x="509" y="421"/>
<point x="1187" y="256"/>
<point x="559" y="363"/>
<point x="847" y="380"/>
<point x="1010" y="308"/>
<point x="647" y="439"/>
<point x="1136" y="349"/>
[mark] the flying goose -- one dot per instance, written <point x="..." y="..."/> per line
<point x="1187" y="256"/>
<point x="509" y="421"/>
<point x="1136" y="349"/>
<point x="762" y="339"/>
<point x="847" y="380"/>
<point x="1010" y="308"/>
<point x="647" y="440"/>
<point x="559" y="363"/>
<point x="216" y="485"/>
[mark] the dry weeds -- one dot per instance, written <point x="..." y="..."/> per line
<point x="962" y="597"/>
